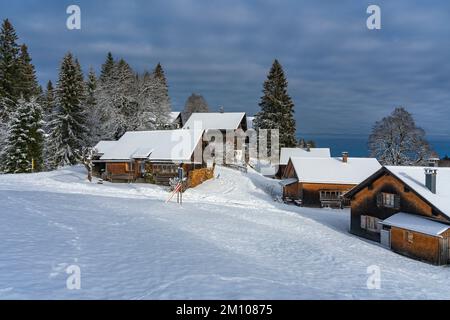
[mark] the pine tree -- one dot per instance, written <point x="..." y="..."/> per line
<point x="49" y="99"/>
<point x="68" y="124"/>
<point x="27" y="85"/>
<point x="161" y="96"/>
<point x="9" y="70"/>
<point x="24" y="143"/>
<point x="107" y="68"/>
<point x="277" y="108"/>
<point x="91" y="86"/>
<point x="195" y="103"/>
<point x="91" y="107"/>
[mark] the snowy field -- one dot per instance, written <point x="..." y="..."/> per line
<point x="229" y="240"/>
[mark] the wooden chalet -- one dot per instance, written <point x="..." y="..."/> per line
<point x="406" y="209"/>
<point x="322" y="182"/>
<point x="153" y="156"/>
<point x="223" y="123"/>
<point x="287" y="153"/>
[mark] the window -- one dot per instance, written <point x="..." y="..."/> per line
<point x="388" y="200"/>
<point x="370" y="224"/>
<point x="409" y="236"/>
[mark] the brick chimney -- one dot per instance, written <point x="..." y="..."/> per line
<point x="345" y="156"/>
<point x="430" y="179"/>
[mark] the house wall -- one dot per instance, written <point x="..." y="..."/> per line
<point x="311" y="191"/>
<point x="423" y="247"/>
<point x="292" y="191"/>
<point x="280" y="172"/>
<point x="365" y="203"/>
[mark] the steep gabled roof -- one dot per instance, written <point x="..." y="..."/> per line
<point x="414" y="179"/>
<point x="164" y="145"/>
<point x="287" y="153"/>
<point x="334" y="170"/>
<point x="215" y="121"/>
<point x="173" y="116"/>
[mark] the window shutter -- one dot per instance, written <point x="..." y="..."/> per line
<point x="363" y="222"/>
<point x="397" y="202"/>
<point x="379" y="200"/>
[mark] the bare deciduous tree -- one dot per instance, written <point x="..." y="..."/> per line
<point x="396" y="140"/>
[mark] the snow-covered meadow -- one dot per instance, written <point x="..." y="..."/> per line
<point x="229" y="240"/>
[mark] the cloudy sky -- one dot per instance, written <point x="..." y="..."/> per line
<point x="342" y="76"/>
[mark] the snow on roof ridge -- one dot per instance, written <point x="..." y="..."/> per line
<point x="216" y="120"/>
<point x="287" y="153"/>
<point x="136" y="143"/>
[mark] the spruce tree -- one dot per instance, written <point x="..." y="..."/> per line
<point x="91" y="107"/>
<point x="49" y="99"/>
<point x="24" y="143"/>
<point x="91" y="86"/>
<point x="107" y="68"/>
<point x="28" y="86"/>
<point x="161" y="99"/>
<point x="9" y="70"/>
<point x="68" y="128"/>
<point x="277" y="108"/>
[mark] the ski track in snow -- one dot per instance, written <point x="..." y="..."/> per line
<point x="229" y="240"/>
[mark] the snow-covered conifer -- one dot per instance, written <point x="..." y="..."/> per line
<point x="277" y="108"/>
<point x="68" y="129"/>
<point x="25" y="137"/>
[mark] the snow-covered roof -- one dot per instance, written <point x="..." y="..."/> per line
<point x="103" y="146"/>
<point x="214" y="120"/>
<point x="334" y="170"/>
<point x="414" y="177"/>
<point x="287" y="153"/>
<point x="173" y="116"/>
<point x="416" y="223"/>
<point x="164" y="145"/>
<point x="286" y="182"/>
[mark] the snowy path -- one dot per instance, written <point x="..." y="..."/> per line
<point x="228" y="241"/>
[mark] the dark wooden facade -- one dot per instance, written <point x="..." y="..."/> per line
<point x="314" y="194"/>
<point x="383" y="195"/>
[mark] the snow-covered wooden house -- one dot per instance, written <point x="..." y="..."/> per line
<point x="231" y="126"/>
<point x="287" y="153"/>
<point x="152" y="156"/>
<point x="322" y="182"/>
<point x="407" y="209"/>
